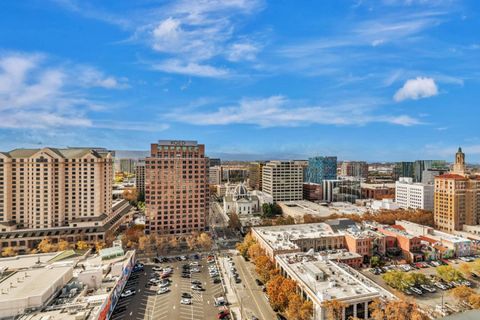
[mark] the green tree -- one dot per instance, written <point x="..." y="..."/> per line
<point x="375" y="261"/>
<point x="448" y="273"/>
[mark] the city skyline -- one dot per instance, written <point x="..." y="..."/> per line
<point x="361" y="80"/>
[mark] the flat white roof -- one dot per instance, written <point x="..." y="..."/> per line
<point x="280" y="237"/>
<point x="30" y="283"/>
<point x="27" y="261"/>
<point x="328" y="279"/>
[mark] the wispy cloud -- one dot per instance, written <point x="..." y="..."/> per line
<point x="417" y="88"/>
<point x="278" y="111"/>
<point x="190" y="68"/>
<point x="186" y="35"/>
<point x="38" y="94"/>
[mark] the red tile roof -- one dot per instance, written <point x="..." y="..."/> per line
<point x="451" y="176"/>
<point x="398" y="227"/>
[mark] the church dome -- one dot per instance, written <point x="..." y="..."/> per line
<point x="240" y="192"/>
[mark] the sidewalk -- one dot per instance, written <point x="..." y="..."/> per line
<point x="228" y="287"/>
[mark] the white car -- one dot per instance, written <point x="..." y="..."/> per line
<point x="163" y="290"/>
<point x="186" y="301"/>
<point x="154" y="280"/>
<point x="194" y="264"/>
<point x="195" y="270"/>
<point x="164" y="284"/>
<point x="127" y="293"/>
<point x="157" y="268"/>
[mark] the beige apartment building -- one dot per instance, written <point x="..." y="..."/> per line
<point x="46" y="188"/>
<point x="457" y="197"/>
<point x="283" y="180"/>
<point x="57" y="193"/>
<point x="176" y="187"/>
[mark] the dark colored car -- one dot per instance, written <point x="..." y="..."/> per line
<point x="186" y="295"/>
<point x="280" y="317"/>
<point x="238" y="280"/>
<point x="258" y="282"/>
<point x="216" y="280"/>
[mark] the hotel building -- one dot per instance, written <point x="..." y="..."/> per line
<point x="176" y="187"/>
<point x="60" y="193"/>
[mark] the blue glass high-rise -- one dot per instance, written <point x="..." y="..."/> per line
<point x="321" y="168"/>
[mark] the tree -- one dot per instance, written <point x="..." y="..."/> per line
<point x="288" y="286"/>
<point x="334" y="309"/>
<point x="465" y="269"/>
<point x="298" y="309"/>
<point x="46" y="246"/>
<point x="294" y="306"/>
<point x="130" y="194"/>
<point x="395" y="279"/>
<point x="205" y="241"/>
<point x="8" y="252"/>
<point x="285" y="221"/>
<point x="143" y="242"/>
<point x="306" y="311"/>
<point x="377" y="310"/>
<point x="397" y="310"/>
<point x="99" y="245"/>
<point x="173" y="242"/>
<point x="273" y="289"/>
<point x="264" y="267"/>
<point x="234" y="221"/>
<point x="474" y="301"/>
<point x="255" y="251"/>
<point x="82" y="245"/>
<point x="267" y="210"/>
<point x="462" y="293"/>
<point x="448" y="273"/>
<point x="63" y="245"/>
<point x="192" y="241"/>
<point x="375" y="261"/>
<point x="243" y="246"/>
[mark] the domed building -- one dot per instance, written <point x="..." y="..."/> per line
<point x="239" y="200"/>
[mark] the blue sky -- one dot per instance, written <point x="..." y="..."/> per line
<point x="368" y="80"/>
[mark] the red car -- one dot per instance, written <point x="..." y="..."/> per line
<point x="223" y="314"/>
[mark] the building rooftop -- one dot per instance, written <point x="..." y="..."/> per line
<point x="32" y="283"/>
<point x="281" y="237"/>
<point x="328" y="279"/>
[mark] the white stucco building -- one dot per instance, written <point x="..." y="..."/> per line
<point x="410" y="195"/>
<point x="240" y="201"/>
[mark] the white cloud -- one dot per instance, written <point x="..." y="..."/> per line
<point x="191" y="69"/>
<point x="417" y="88"/>
<point x="242" y="51"/>
<point x="90" y="77"/>
<point x="278" y="111"/>
<point x="34" y="94"/>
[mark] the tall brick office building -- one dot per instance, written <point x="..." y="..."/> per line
<point x="176" y="187"/>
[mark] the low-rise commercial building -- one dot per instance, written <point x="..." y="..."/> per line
<point x="320" y="279"/>
<point x="377" y="191"/>
<point x="67" y="285"/>
<point x="459" y="245"/>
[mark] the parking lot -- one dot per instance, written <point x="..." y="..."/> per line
<point x="431" y="301"/>
<point x="148" y="304"/>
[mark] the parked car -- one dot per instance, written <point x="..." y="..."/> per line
<point x="416" y="290"/>
<point x="186" y="295"/>
<point x="427" y="288"/>
<point x="186" y="301"/>
<point x="197" y="282"/>
<point x="216" y="280"/>
<point x="163" y="290"/>
<point x="127" y="293"/>
<point x="196" y="288"/>
<point x="258" y="282"/>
